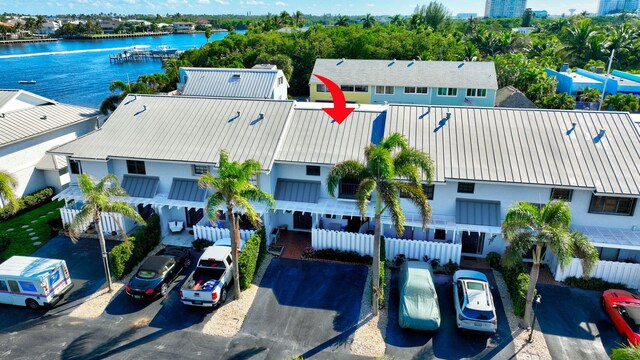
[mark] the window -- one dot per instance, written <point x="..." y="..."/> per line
<point x="136" y="167"/>
<point x="27" y="286"/>
<point x="477" y="92"/>
<point x="313" y="170"/>
<point x="361" y="88"/>
<point x="348" y="188"/>
<point x="385" y="90"/>
<point x="200" y="169"/>
<point x="447" y="92"/>
<point x="428" y="190"/>
<point x="321" y="88"/>
<point x="466" y="187"/>
<point x="76" y="167"/>
<point x="416" y="90"/>
<point x="63" y="171"/>
<point x="612" y="205"/>
<point x="440" y="234"/>
<point x="280" y="80"/>
<point x="229" y="260"/>
<point x="348" y="88"/>
<point x="561" y="194"/>
<point x="3" y="286"/>
<point x="608" y="254"/>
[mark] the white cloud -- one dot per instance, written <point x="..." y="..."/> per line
<point x="280" y="3"/>
<point x="251" y="2"/>
<point x="371" y="5"/>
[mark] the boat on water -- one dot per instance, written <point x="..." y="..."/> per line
<point x="29" y="82"/>
<point x="137" y="50"/>
<point x="164" y="50"/>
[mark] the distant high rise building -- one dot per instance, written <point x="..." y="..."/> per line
<point x="505" y="8"/>
<point x="615" y="6"/>
<point x="466" y="15"/>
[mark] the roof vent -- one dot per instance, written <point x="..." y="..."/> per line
<point x="144" y="107"/>
<point x="392" y="62"/>
<point x="564" y="67"/>
<point x="599" y="70"/>
<point x="43" y="117"/>
<point x="2" y="115"/>
<point x="411" y="63"/>
<point x="261" y="115"/>
<point x="448" y="116"/>
<point x="238" y="114"/>
<point x="235" y="77"/>
<point x="599" y="136"/>
<point x="573" y="128"/>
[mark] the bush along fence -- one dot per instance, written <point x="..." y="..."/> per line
<point x="124" y="257"/>
<point x="517" y="281"/>
<point x="27" y="203"/>
<point x="250" y="258"/>
<point x="363" y="245"/>
<point x="214" y="234"/>
<point x="608" y="271"/>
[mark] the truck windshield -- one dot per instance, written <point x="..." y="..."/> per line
<point x="211" y="263"/>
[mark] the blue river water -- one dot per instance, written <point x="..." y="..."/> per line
<point x="78" y="71"/>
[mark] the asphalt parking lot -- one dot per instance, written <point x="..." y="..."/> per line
<point x="447" y="342"/>
<point x="573" y="324"/>
<point x="85" y="267"/>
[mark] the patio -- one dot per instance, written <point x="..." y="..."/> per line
<point x="294" y="243"/>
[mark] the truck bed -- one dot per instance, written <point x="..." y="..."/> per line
<point x="200" y="277"/>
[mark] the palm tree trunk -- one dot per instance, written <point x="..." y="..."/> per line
<point x="533" y="279"/>
<point x="235" y="240"/>
<point x="103" y="249"/>
<point x="376" y="258"/>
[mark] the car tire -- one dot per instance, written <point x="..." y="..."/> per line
<point x="164" y="290"/>
<point x="32" y="304"/>
<point x="223" y="296"/>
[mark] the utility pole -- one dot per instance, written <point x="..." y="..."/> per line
<point x="606" y="78"/>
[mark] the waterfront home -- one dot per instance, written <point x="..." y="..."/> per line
<point x="49" y="28"/>
<point x="184" y="26"/>
<point x="263" y="81"/>
<point x="574" y="82"/>
<point x="29" y="126"/>
<point x="486" y="160"/>
<point x="407" y="82"/>
<point x="109" y="26"/>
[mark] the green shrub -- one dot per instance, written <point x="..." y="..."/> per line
<point x="128" y="254"/>
<point x="449" y="268"/>
<point x="27" y="203"/>
<point x="626" y="352"/>
<point x="494" y="259"/>
<point x="248" y="260"/>
<point x="201" y="244"/>
<point x="5" y="241"/>
<point x="339" y="255"/>
<point x="593" y="283"/>
<point x="517" y="281"/>
<point x="120" y="258"/>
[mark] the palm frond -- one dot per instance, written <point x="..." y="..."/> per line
<point x="409" y="163"/>
<point x="380" y="163"/>
<point x="389" y="195"/>
<point x="559" y="241"/>
<point x="85" y="184"/>
<point x="416" y="195"/>
<point x="521" y="216"/>
<point x="347" y="169"/>
<point x="208" y="181"/>
<point x="213" y="205"/>
<point x="363" y="195"/>
<point x="7" y="185"/>
<point x="125" y="210"/>
<point x="86" y="215"/>
<point x="583" y="249"/>
<point x="224" y="158"/>
<point x="556" y="213"/>
<point x="249" y="211"/>
<point x="395" y="141"/>
<point x="519" y="245"/>
<point x="255" y="194"/>
<point x="251" y="167"/>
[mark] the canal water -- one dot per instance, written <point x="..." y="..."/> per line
<point x="78" y="71"/>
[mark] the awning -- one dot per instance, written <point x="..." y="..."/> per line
<point x="478" y="212"/>
<point x="140" y="185"/>
<point x="298" y="191"/>
<point x="187" y="190"/>
<point x="612" y="238"/>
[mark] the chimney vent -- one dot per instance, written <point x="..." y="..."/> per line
<point x="599" y="70"/>
<point x="261" y="115"/>
<point x="564" y="67"/>
<point x="43" y="117"/>
<point x="238" y="113"/>
<point x="448" y="115"/>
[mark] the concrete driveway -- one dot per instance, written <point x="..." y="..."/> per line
<point x="573" y="324"/>
<point x="447" y="342"/>
<point x="304" y="308"/>
<point x="85" y="267"/>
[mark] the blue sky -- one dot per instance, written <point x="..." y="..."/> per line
<point x="348" y="7"/>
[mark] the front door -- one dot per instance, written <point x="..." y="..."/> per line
<point x="302" y="220"/>
<point x="194" y="216"/>
<point x="472" y="242"/>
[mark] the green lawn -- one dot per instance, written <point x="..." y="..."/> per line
<point x="21" y="242"/>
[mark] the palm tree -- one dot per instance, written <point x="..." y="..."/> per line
<point x="577" y="38"/>
<point x="207" y="33"/>
<point x="112" y="101"/>
<point x="298" y="18"/>
<point x="435" y="14"/>
<point x="397" y="20"/>
<point x="391" y="169"/>
<point x="232" y="187"/>
<point x="342" y="20"/>
<point x="368" y="21"/>
<point x="527" y="226"/>
<point x="8" y="183"/>
<point x="590" y="95"/>
<point x="100" y="197"/>
<point x="621" y="102"/>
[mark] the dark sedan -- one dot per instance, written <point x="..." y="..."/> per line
<point x="156" y="273"/>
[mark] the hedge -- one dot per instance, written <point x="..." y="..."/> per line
<point x="5" y="241"/>
<point x="517" y="281"/>
<point x="249" y="259"/>
<point x="337" y="255"/>
<point x="593" y="283"/>
<point x="124" y="257"/>
<point x="27" y="203"/>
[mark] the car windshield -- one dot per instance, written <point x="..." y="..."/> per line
<point x="473" y="314"/>
<point x="472" y="285"/>
<point x="631" y="315"/>
<point x="146" y="274"/>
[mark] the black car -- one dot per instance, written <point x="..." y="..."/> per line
<point x="155" y="275"/>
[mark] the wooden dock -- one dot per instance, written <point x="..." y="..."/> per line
<point x="27" y="41"/>
<point x="140" y="57"/>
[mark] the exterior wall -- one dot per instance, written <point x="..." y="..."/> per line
<point x="299" y="172"/>
<point x="566" y="84"/>
<point x="21" y="158"/>
<point x="489" y="100"/>
<point x="280" y="92"/>
<point x="353" y="97"/>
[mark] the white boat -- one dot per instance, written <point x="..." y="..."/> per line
<point x="164" y="50"/>
<point x="137" y="50"/>
<point x="29" y="82"/>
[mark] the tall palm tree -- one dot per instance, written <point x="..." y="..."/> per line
<point x="342" y="20"/>
<point x="298" y="18"/>
<point x="397" y="20"/>
<point x="528" y="227"/>
<point x="368" y="21"/>
<point x="232" y="188"/>
<point x="391" y="169"/>
<point x="577" y="38"/>
<point x="8" y="183"/>
<point x="99" y="197"/>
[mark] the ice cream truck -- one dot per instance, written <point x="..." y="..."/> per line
<point x="33" y="282"/>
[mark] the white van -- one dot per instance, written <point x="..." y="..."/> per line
<point x="33" y="282"/>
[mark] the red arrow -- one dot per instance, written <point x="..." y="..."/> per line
<point x="339" y="111"/>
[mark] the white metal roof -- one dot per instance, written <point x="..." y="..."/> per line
<point x="525" y="146"/>
<point x="52" y="162"/>
<point x="454" y="74"/>
<point x="29" y="267"/>
<point x="189" y="129"/>
<point x="231" y="83"/>
<point x="610" y="237"/>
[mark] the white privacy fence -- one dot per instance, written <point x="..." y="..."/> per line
<point x="106" y="221"/>
<point x="214" y="234"/>
<point x="363" y="245"/>
<point x="612" y="271"/>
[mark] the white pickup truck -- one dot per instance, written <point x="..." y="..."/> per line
<point x="207" y="285"/>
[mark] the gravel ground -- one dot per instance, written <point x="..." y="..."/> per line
<point x="368" y="340"/>
<point x="229" y="317"/>
<point x="98" y="302"/>
<point x="524" y="349"/>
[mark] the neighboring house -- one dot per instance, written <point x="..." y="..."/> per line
<point x="260" y="82"/>
<point x="49" y="28"/>
<point x="407" y="81"/>
<point x="510" y="97"/>
<point x="574" y="82"/>
<point x="486" y="160"/>
<point x="29" y="126"/>
<point x="184" y="26"/>
<point x="504" y="8"/>
<point x="108" y="26"/>
<point x="607" y="7"/>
